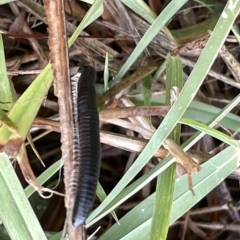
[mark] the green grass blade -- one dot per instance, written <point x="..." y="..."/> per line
<point x="15" y="211"/>
<point x="166" y="180"/>
<point x="141" y="8"/>
<point x="29" y="190"/>
<point x="6" y="1"/>
<point x="157" y="25"/>
<point x="198" y="111"/>
<point x="92" y="14"/>
<point x="5" y="120"/>
<point x="210" y="131"/>
<point x="146" y="90"/>
<point x="102" y="195"/>
<point x="203" y="112"/>
<point x="25" y="109"/>
<point x="7" y="92"/>
<point x="136" y="223"/>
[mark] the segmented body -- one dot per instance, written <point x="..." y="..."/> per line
<point x="86" y="149"/>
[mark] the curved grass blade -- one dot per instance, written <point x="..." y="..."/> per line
<point x="210" y="131"/>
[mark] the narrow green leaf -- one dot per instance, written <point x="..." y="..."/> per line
<point x="146" y="90"/>
<point x="102" y="195"/>
<point x="141" y="8"/>
<point x="146" y="84"/>
<point x="25" y="109"/>
<point x="166" y="180"/>
<point x="15" y="211"/>
<point x="6" y="1"/>
<point x="92" y="14"/>
<point x="5" y="120"/>
<point x="153" y="30"/>
<point x="7" y="92"/>
<point x="48" y="173"/>
<point x="159" y="71"/>
<point x="210" y="131"/>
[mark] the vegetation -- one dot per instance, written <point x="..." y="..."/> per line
<point x="143" y="52"/>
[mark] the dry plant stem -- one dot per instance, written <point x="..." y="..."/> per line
<point x="59" y="59"/>
<point x="11" y="62"/>
<point x="142" y="121"/>
<point x="47" y="124"/>
<point x="129" y="143"/>
<point x="30" y="141"/>
<point x="131" y="126"/>
<point x="26" y="170"/>
<point x="231" y="62"/>
<point x="23" y="72"/>
<point x="124" y="142"/>
<point x="127" y="112"/>
<point x="199" y="232"/>
<point x="128" y="81"/>
<point x="185" y="226"/>
<point x="183" y="159"/>
<point x="224" y="196"/>
<point x="213" y="74"/>
<point x="130" y="25"/>
<point x="218" y="226"/>
<point x="208" y="210"/>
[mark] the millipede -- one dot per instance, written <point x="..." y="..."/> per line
<point x="86" y="144"/>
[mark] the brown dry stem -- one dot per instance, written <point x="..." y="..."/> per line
<point x="59" y="58"/>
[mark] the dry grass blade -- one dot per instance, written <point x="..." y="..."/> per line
<point x="133" y="112"/>
<point x="127" y="82"/>
<point x="231" y="62"/>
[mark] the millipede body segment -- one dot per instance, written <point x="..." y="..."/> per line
<point x="86" y="149"/>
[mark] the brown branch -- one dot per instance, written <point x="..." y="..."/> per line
<point x="128" y="81"/>
<point x="127" y="112"/>
<point x="125" y="142"/>
<point x="59" y="59"/>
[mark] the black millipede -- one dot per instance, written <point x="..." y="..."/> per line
<point x="86" y="149"/>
